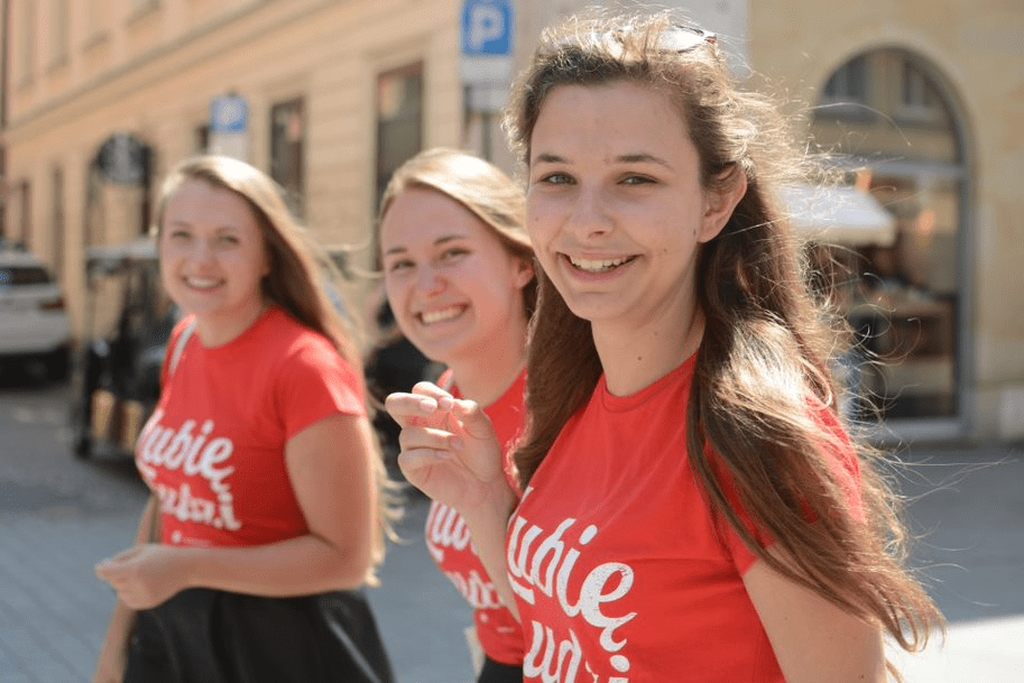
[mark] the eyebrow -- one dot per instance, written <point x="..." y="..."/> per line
<point x="637" y="157"/>
<point x="179" y="223"/>
<point x="440" y="240"/>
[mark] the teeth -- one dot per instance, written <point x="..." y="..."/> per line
<point x="596" y="266"/>
<point x="431" y="317"/>
<point x="201" y="283"/>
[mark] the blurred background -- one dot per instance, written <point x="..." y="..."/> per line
<point x="919" y="103"/>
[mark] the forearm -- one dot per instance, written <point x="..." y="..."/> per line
<point x="488" y="524"/>
<point x="298" y="566"/>
<point x="114" y="651"/>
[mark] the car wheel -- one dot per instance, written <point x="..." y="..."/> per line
<point x="82" y="448"/>
<point x="58" y="365"/>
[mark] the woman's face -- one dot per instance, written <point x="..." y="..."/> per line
<point x="212" y="254"/>
<point x="452" y="285"/>
<point x="615" y="206"/>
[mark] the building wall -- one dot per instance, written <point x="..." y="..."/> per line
<point x="976" y="51"/>
<point x="153" y="71"/>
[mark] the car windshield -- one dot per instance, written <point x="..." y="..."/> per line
<point x="23" y="275"/>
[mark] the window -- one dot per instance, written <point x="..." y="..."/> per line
<point x="905" y="297"/>
<point x="287" y="153"/>
<point x="849" y="83"/>
<point x="201" y="138"/>
<point x="57" y="220"/>
<point x="25" y="213"/>
<point x="399" y="120"/>
<point x="60" y="37"/>
<point x="918" y="98"/>
<point x="27" y="36"/>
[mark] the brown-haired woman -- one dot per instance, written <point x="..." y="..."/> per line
<point x="458" y="272"/>
<point x="259" y="454"/>
<point x="692" y="508"/>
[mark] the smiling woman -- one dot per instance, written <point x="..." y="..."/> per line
<point x="458" y="271"/>
<point x="692" y="507"/>
<point x="261" y="530"/>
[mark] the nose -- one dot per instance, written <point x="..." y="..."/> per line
<point x="201" y="252"/>
<point x="589" y="217"/>
<point x="429" y="281"/>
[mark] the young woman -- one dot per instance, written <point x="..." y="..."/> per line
<point x="458" y="272"/>
<point x="692" y="507"/>
<point x="259" y="455"/>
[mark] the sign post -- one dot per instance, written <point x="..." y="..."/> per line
<point x="229" y="126"/>
<point x="486" y="66"/>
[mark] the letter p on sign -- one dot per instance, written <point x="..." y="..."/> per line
<point x="486" y="24"/>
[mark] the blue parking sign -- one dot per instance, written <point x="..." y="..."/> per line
<point x="487" y="28"/>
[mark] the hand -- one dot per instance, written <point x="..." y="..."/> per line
<point x="144" y="576"/>
<point x="449" y="449"/>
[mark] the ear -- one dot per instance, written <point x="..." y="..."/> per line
<point x="721" y="201"/>
<point x="523" y="272"/>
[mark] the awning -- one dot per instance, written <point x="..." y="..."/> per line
<point x="838" y="215"/>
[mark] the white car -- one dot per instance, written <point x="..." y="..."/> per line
<point x="33" y="322"/>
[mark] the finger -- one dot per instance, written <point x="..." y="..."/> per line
<point x="406" y="408"/>
<point x="473" y="419"/>
<point x="412" y="438"/>
<point x="431" y="390"/>
<point x="414" y="461"/>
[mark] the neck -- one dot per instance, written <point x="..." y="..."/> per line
<point x="485" y="375"/>
<point x="634" y="357"/>
<point x="219" y="329"/>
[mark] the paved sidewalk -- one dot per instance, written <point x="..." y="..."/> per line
<point x="58" y="516"/>
<point x="967" y="506"/>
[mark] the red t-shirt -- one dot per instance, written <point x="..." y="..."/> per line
<point x="213" y="451"/>
<point x="449" y="543"/>
<point x="621" y="572"/>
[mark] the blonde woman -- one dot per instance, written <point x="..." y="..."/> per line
<point x="260" y="457"/>
<point x="458" y="272"/>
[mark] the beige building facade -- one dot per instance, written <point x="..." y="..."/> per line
<point x="921" y="100"/>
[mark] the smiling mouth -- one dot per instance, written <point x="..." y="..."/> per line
<point x="202" y="283"/>
<point x="441" y="315"/>
<point x="598" y="265"/>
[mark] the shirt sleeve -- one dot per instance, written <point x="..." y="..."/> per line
<point x="316" y="383"/>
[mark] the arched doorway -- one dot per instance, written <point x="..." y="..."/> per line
<point x="891" y="124"/>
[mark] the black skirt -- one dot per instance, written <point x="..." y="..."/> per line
<point x="209" y="636"/>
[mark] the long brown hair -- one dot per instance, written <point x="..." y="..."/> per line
<point x="764" y="360"/>
<point x="479" y="186"/>
<point x="302" y="280"/>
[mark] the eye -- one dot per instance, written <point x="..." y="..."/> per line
<point x="637" y="180"/>
<point x="453" y="254"/>
<point x="228" y="239"/>
<point x="178" y="234"/>
<point x="399" y="265"/>
<point x="557" y="179"/>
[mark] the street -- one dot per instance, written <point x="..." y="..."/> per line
<point x="59" y="516"/>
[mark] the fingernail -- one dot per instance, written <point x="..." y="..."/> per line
<point x="428" y="404"/>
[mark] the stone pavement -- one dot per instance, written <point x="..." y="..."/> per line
<point x="59" y="516"/>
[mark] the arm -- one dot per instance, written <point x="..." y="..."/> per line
<point x="813" y="638"/>
<point x="113" y="653"/>
<point x="450" y="452"/>
<point x="329" y="464"/>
